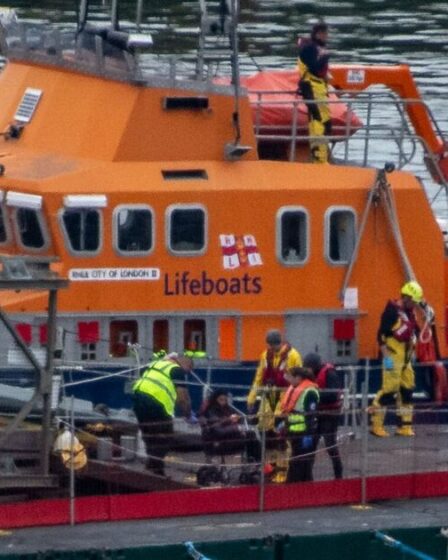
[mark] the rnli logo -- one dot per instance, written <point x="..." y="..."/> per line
<point x="239" y="251"/>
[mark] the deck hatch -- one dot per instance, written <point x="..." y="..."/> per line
<point x="28" y="104"/>
<point x="184" y="174"/>
<point x="185" y="103"/>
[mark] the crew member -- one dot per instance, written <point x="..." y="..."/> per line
<point x="313" y="86"/>
<point x="270" y="383"/>
<point x="329" y="409"/>
<point x="157" y="393"/>
<point x="397" y="337"/>
<point x="299" y="407"/>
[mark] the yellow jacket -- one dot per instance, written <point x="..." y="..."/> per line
<point x="293" y="359"/>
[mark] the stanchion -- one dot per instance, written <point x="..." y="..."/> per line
<point x="263" y="458"/>
<point x="72" y="461"/>
<point x="365" y="434"/>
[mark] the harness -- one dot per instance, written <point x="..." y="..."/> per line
<point x="321" y="381"/>
<point x="274" y="375"/>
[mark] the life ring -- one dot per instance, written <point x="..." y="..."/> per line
<point x="440" y="383"/>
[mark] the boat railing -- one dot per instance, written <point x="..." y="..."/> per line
<point x="386" y="131"/>
<point x="101" y="51"/>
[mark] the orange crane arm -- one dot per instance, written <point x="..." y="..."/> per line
<point x="397" y="78"/>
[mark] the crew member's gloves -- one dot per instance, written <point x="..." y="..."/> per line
<point x="388" y="363"/>
<point x="280" y="428"/>
<point x="307" y="442"/>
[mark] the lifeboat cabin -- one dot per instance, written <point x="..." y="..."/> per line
<point x="148" y="194"/>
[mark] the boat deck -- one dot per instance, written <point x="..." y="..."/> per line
<point x="427" y="452"/>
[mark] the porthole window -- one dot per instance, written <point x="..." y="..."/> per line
<point x="30" y="228"/>
<point x="292" y="236"/>
<point x="82" y="229"/>
<point x="340" y="235"/>
<point x="133" y="230"/>
<point x="186" y="229"/>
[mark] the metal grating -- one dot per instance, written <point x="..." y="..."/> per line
<point x="28" y="105"/>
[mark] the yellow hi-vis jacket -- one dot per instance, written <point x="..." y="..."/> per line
<point x="157" y="383"/>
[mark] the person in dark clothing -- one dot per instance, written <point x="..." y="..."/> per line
<point x="313" y="86"/>
<point x="329" y="409"/>
<point x="159" y="391"/>
<point x="299" y="408"/>
<point x="222" y="430"/>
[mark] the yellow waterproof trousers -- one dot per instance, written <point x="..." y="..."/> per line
<point x="315" y="89"/>
<point x="397" y="386"/>
<point x="277" y="455"/>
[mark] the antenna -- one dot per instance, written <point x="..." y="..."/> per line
<point x="83" y="14"/>
<point x="114" y="15"/>
<point x="234" y="9"/>
<point x="235" y="151"/>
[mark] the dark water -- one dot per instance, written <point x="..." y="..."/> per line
<point x="361" y="31"/>
<point x="365" y="31"/>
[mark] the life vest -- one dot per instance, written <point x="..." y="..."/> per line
<point x="321" y="381"/>
<point x="322" y="58"/>
<point x="275" y="375"/>
<point x="157" y="383"/>
<point x="405" y="327"/>
<point x="293" y="405"/>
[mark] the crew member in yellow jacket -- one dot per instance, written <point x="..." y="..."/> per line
<point x="397" y="338"/>
<point x="268" y="385"/>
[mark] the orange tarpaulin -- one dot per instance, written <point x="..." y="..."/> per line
<point x="273" y="97"/>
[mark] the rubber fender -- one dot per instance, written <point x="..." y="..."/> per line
<point x="440" y="383"/>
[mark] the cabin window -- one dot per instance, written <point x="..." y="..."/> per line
<point x="30" y="228"/>
<point x="133" y="230"/>
<point x="292" y="236"/>
<point x="160" y="335"/>
<point x="88" y="351"/>
<point x="344" y="348"/>
<point x="3" y="225"/>
<point x="88" y="336"/>
<point x="195" y="335"/>
<point x="122" y="333"/>
<point x="186" y="229"/>
<point x="340" y="235"/>
<point x="82" y="229"/>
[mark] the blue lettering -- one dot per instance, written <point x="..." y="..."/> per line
<point x="182" y="284"/>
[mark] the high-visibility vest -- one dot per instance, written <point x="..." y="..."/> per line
<point x="157" y="383"/>
<point x="294" y="401"/>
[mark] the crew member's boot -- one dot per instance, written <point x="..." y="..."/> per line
<point x="282" y="462"/>
<point x="377" y="422"/>
<point x="406" y="421"/>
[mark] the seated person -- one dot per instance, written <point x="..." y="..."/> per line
<point x="222" y="430"/>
